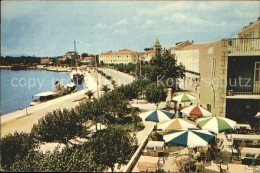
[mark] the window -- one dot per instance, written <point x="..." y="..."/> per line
<point x="257" y="71"/>
<point x="213" y="66"/>
<point x="209" y="107"/>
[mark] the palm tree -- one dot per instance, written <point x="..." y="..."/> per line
<point x="105" y="88"/>
<point x="89" y="93"/>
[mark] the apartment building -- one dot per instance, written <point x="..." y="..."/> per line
<point x="123" y="56"/>
<point x="230" y="77"/>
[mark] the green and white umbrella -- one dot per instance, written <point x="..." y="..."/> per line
<point x="184" y="98"/>
<point x="157" y="116"/>
<point x="189" y="138"/>
<point x="216" y="124"/>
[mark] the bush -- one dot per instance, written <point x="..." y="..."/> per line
<point x="15" y="147"/>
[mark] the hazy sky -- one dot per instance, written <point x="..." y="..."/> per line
<point x="44" y="28"/>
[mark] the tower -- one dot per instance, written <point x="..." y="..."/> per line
<point x="157" y="45"/>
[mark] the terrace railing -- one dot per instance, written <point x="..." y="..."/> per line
<point x="242" y="90"/>
<point x="244" y="46"/>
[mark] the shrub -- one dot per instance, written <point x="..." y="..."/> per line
<point x="15" y="147"/>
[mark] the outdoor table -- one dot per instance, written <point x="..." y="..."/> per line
<point x="148" y="162"/>
<point x="236" y="168"/>
<point x="249" y="151"/>
<point x="247" y="126"/>
<point x="155" y="145"/>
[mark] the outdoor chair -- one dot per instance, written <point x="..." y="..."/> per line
<point x="177" y="163"/>
<point x="199" y="166"/>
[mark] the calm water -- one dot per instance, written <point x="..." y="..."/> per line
<point x="19" y="87"/>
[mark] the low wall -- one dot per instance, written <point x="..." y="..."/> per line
<point x="131" y="164"/>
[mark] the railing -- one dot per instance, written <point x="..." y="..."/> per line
<point x="244" y="46"/>
<point x="243" y="90"/>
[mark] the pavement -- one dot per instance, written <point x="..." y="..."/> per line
<point x="21" y="122"/>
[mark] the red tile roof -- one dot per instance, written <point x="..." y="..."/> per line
<point x="123" y="51"/>
<point x="197" y="46"/>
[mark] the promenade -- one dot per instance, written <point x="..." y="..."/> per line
<point x="21" y="122"/>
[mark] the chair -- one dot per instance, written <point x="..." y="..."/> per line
<point x="181" y="169"/>
<point x="199" y="166"/>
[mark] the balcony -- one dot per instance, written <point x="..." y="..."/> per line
<point x="244" y="46"/>
<point x="244" y="91"/>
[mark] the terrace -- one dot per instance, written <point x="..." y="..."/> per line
<point x="244" y="46"/>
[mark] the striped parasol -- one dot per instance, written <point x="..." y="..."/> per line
<point x="189" y="138"/>
<point x="177" y="123"/>
<point x="184" y="98"/>
<point x="157" y="116"/>
<point x="197" y="111"/>
<point x="216" y="124"/>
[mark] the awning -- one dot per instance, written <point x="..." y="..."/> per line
<point x="70" y="85"/>
<point x="190" y="75"/>
<point x="256" y="97"/>
<point x="45" y="94"/>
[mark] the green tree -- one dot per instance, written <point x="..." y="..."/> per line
<point x="111" y="146"/>
<point x="58" y="126"/>
<point x="105" y="88"/>
<point x="74" y="159"/>
<point x="89" y="93"/>
<point x="15" y="147"/>
<point x="155" y="94"/>
<point x="114" y="104"/>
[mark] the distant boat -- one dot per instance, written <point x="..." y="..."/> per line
<point x="43" y="97"/>
<point x="77" y="77"/>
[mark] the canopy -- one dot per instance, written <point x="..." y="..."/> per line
<point x="157" y="116"/>
<point x="257" y="115"/>
<point x="184" y="98"/>
<point x="70" y="85"/>
<point x="45" y="94"/>
<point x="216" y="124"/>
<point x="189" y="138"/>
<point x="177" y="123"/>
<point x="197" y="111"/>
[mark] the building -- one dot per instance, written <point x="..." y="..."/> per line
<point x="191" y="56"/>
<point x="148" y="55"/>
<point x="88" y="60"/>
<point x="123" y="56"/>
<point x="71" y="55"/>
<point x="230" y="77"/>
<point x="45" y="61"/>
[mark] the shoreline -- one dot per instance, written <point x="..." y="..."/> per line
<point x="20" y="122"/>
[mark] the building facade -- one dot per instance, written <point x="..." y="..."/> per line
<point x="123" y="56"/>
<point x="230" y="77"/>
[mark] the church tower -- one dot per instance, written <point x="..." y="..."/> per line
<point x="157" y="45"/>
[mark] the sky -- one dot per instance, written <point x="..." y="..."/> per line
<point x="46" y="29"/>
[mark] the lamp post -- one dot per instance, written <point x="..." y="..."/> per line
<point x="97" y="77"/>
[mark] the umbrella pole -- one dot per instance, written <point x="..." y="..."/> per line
<point x="189" y="159"/>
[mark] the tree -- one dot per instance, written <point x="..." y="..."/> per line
<point x="155" y="94"/>
<point x="111" y="146"/>
<point x="89" y="93"/>
<point x="163" y="68"/>
<point x="58" y="126"/>
<point x="74" y="159"/>
<point x="105" y="88"/>
<point x="15" y="147"/>
<point x="114" y="104"/>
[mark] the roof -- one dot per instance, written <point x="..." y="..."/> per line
<point x="45" y="59"/>
<point x="44" y="94"/>
<point x="123" y="51"/>
<point x="88" y="57"/>
<point x="197" y="46"/>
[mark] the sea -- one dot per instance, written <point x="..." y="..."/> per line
<point x="18" y="87"/>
